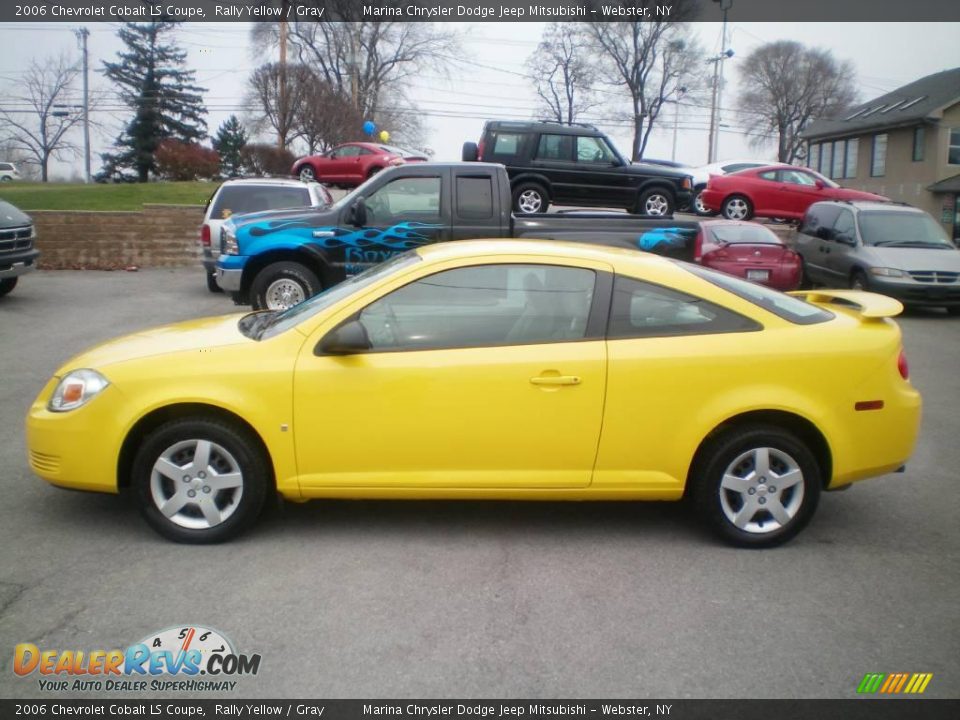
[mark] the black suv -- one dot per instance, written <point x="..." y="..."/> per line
<point x="575" y="165"/>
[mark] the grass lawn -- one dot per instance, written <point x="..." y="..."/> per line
<point x="123" y="196"/>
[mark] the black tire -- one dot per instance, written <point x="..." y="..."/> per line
<point x="7" y="285"/>
<point x="273" y="288"/>
<point x="373" y="171"/>
<point x="656" y="202"/>
<point x="306" y="173"/>
<point x="232" y="450"/>
<point x="698" y="207"/>
<point x="532" y="196"/>
<point x="731" y="208"/>
<point x="953" y="310"/>
<point x="734" y="454"/>
<point x="859" y="281"/>
<point x="6" y="178"/>
<point x="470" y="152"/>
<point x="212" y="283"/>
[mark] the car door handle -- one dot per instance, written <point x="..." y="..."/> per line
<point x="555" y="380"/>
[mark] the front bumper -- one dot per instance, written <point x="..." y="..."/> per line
<point x="229" y="280"/>
<point x="16" y="264"/>
<point x="917" y="294"/>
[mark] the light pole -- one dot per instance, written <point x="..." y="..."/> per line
<point x="725" y="53"/>
<point x="676" y="120"/>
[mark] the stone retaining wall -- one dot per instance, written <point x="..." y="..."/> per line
<point x="157" y="236"/>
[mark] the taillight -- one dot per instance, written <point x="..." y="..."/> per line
<point x="902" y="365"/>
<point x="480" y="151"/>
<point x="698" y="247"/>
<point x="205" y="235"/>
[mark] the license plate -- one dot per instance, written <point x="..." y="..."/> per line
<point x="758" y="275"/>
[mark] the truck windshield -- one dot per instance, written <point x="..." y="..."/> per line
<point x="283" y="321"/>
<point x="902" y="229"/>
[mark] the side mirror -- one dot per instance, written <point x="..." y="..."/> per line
<point x="824" y="233"/>
<point x="819" y="184"/>
<point x="347" y="339"/>
<point x="358" y="213"/>
<point x="844" y="239"/>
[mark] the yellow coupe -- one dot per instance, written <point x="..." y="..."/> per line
<point x="494" y="369"/>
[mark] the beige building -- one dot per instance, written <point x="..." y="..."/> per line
<point x="904" y="145"/>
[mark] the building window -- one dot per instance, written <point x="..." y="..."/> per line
<point x="826" y="158"/>
<point x="878" y="163"/>
<point x="813" y="157"/>
<point x="918" y="140"/>
<point x="853" y="155"/>
<point x="839" y="154"/>
<point x="953" y="155"/>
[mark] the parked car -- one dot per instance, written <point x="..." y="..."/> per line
<point x="275" y="260"/>
<point x="887" y="248"/>
<point x="575" y="165"/>
<point x="249" y="195"/>
<point x="350" y="164"/>
<point x="633" y="376"/>
<point x="701" y="176"/>
<point x="773" y="191"/>
<point x="18" y="255"/>
<point x="8" y="172"/>
<point x="750" y="251"/>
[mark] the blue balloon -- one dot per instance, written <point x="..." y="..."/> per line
<point x="369" y="127"/>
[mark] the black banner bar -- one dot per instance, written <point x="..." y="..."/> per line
<point x="854" y="709"/>
<point x="854" y="11"/>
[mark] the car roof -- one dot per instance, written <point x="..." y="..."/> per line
<point x="288" y="182"/>
<point x="544" y="248"/>
<point x="551" y="127"/>
<point x="872" y="205"/>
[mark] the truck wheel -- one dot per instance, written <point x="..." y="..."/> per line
<point x="7" y="285"/>
<point x="212" y="283"/>
<point x="282" y="285"/>
<point x="530" y="198"/>
<point x="656" y="202"/>
<point x="469" y="152"/>
<point x="698" y="207"/>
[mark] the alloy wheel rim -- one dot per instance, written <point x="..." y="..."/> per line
<point x="656" y="205"/>
<point x="306" y="174"/>
<point x="761" y="490"/>
<point x="698" y="203"/>
<point x="284" y="293"/>
<point x="736" y="209"/>
<point x="530" y="201"/>
<point x="196" y="484"/>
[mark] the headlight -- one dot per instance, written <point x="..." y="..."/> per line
<point x="886" y="272"/>
<point x="228" y="242"/>
<point x="75" y="389"/>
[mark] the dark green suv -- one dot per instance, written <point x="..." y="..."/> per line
<point x="575" y="165"/>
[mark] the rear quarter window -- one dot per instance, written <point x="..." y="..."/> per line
<point x="507" y="144"/>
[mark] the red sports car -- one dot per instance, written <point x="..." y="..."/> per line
<point x="351" y="163"/>
<point x="773" y="191"/>
<point x="750" y="251"/>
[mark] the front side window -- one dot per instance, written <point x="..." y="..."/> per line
<point x="593" y="149"/>
<point x="795" y="177"/>
<point x="346" y="151"/>
<point x="768" y="175"/>
<point x="953" y="152"/>
<point x="6" y="166"/>
<point x="555" y="147"/>
<point x="483" y="306"/>
<point x="843" y="228"/>
<point x="878" y="165"/>
<point x="642" y="309"/>
<point x="406" y="198"/>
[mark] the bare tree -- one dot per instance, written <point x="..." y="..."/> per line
<point x="651" y="58"/>
<point x="325" y="117"/>
<point x="40" y="126"/>
<point x="277" y="94"/>
<point x="786" y="86"/>
<point x="563" y="72"/>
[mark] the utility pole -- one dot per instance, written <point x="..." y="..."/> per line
<point x="282" y="111"/>
<point x="676" y="120"/>
<point x="725" y="53"/>
<point x="82" y="35"/>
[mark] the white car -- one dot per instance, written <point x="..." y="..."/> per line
<point x="702" y="174"/>
<point x="249" y="195"/>
<point x="8" y="172"/>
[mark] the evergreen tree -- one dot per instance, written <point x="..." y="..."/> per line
<point x="230" y="140"/>
<point x="151" y="79"/>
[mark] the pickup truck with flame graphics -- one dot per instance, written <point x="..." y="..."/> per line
<point x="276" y="259"/>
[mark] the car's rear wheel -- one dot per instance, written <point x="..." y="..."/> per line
<point x="200" y="480"/>
<point x="737" y="207"/>
<point x="698" y="207"/>
<point x="858" y="281"/>
<point x="756" y="486"/>
<point x="7" y="285"/>
<point x="530" y="198"/>
<point x="307" y="173"/>
<point x="655" y="202"/>
<point x="212" y="283"/>
<point x="282" y="285"/>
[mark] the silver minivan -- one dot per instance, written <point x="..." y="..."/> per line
<point x="888" y="248"/>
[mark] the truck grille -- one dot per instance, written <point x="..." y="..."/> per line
<point x="13" y="239"/>
<point x="934" y="276"/>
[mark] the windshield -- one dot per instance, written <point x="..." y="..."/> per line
<point x="902" y="229"/>
<point x="283" y="321"/>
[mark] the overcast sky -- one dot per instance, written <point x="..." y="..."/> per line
<point x="493" y="85"/>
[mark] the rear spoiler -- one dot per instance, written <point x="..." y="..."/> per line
<point x="869" y="305"/>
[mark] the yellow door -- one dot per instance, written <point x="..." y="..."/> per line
<point x="477" y="377"/>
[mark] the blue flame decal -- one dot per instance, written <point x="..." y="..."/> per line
<point x="663" y="238"/>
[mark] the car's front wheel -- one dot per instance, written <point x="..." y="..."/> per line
<point x="7" y="285"/>
<point x="282" y="285"/>
<point x="737" y="207"/>
<point x="698" y="207"/>
<point x="655" y="202"/>
<point x="756" y="486"/>
<point x="307" y="173"/>
<point x="200" y="480"/>
<point x="858" y="281"/>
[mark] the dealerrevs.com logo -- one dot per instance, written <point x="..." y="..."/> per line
<point x="170" y="660"/>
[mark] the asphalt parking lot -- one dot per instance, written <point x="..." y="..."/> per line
<point x="469" y="599"/>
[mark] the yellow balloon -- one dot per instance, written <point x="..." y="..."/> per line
<point x="384" y="136"/>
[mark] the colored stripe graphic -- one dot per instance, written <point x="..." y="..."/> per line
<point x="894" y="683"/>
